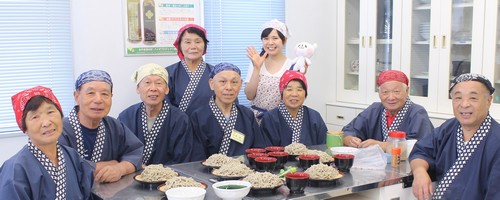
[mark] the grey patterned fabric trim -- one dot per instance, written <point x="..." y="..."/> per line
<point x="99" y="143"/>
<point x="295" y="125"/>
<point x="150" y="136"/>
<point x="464" y="152"/>
<point x="397" y="122"/>
<point x="194" y="79"/>
<point x="227" y="126"/>
<point x="58" y="174"/>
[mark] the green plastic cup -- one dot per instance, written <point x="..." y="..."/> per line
<point x="334" y="139"/>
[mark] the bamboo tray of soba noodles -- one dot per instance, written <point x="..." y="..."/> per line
<point x="217" y="160"/>
<point x="264" y="183"/>
<point x="294" y="150"/>
<point x="232" y="171"/>
<point x="180" y="181"/>
<point x="321" y="175"/>
<point x="154" y="175"/>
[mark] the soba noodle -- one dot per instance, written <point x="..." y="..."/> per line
<point x="322" y="172"/>
<point x="218" y="160"/>
<point x="296" y="149"/>
<point x="181" y="181"/>
<point x="155" y="173"/>
<point x="323" y="156"/>
<point x="233" y="169"/>
<point x="263" y="180"/>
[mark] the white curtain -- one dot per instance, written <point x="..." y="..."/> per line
<point x="35" y="49"/>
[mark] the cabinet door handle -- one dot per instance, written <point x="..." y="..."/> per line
<point x="443" y="44"/>
<point x="362" y="41"/>
<point x="370" y="42"/>
<point x="340" y="117"/>
<point x="434" y="41"/>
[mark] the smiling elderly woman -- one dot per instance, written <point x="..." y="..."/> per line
<point x="188" y="78"/>
<point x="43" y="169"/>
<point x="291" y="121"/>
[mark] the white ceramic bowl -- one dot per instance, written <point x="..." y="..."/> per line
<point x="231" y="194"/>
<point x="342" y="150"/>
<point x="186" y="193"/>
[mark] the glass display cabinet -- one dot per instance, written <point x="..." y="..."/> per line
<point x="366" y="46"/>
<point x="491" y="54"/>
<point x="441" y="40"/>
<point x="432" y="41"/>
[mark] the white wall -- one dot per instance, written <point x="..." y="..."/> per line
<point x="314" y="21"/>
<point x="11" y="145"/>
<point x="98" y="44"/>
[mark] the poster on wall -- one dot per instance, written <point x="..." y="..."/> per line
<point x="151" y="26"/>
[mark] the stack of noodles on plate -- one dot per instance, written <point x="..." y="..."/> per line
<point x="181" y="181"/>
<point x="233" y="169"/>
<point x="322" y="172"/>
<point x="323" y="156"/>
<point x="264" y="180"/>
<point x="296" y="149"/>
<point x="157" y="173"/>
<point x="218" y="160"/>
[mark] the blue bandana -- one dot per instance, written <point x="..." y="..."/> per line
<point x="473" y="77"/>
<point x="224" y="66"/>
<point x="93" y="75"/>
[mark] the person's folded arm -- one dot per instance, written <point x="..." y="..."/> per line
<point x="422" y="183"/>
<point x="370" y="142"/>
<point x="113" y="172"/>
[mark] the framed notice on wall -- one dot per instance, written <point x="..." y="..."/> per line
<point x="151" y="26"/>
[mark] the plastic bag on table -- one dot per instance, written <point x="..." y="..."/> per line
<point x="372" y="157"/>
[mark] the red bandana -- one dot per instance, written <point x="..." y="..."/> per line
<point x="392" y="75"/>
<point x="20" y="100"/>
<point x="176" y="43"/>
<point x="291" y="75"/>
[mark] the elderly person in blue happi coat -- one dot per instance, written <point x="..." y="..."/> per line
<point x="164" y="129"/>
<point x="291" y="121"/>
<point x="102" y="140"/>
<point x="463" y="152"/>
<point x="221" y="125"/>
<point x="395" y="112"/>
<point x="188" y="78"/>
<point x="43" y="169"/>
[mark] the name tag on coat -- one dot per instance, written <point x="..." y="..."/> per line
<point x="238" y="136"/>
